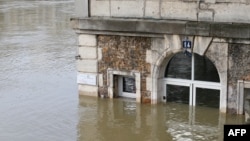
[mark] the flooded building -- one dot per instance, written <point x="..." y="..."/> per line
<point x="189" y="51"/>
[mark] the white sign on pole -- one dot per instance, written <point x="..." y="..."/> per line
<point x="84" y="78"/>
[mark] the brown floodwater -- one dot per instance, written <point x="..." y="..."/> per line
<point x="38" y="92"/>
<point x="126" y="120"/>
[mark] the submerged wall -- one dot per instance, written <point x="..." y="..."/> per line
<point x="238" y="69"/>
<point x="138" y="37"/>
<point x="123" y="53"/>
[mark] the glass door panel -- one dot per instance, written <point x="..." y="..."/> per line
<point x="178" y="94"/>
<point x="192" y="80"/>
<point x="208" y="97"/>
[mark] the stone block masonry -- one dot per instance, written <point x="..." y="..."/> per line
<point x="87" y="64"/>
<point x="137" y="38"/>
<point x="192" y="10"/>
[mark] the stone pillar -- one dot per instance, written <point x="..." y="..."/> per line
<point x="87" y="65"/>
<point x="218" y="54"/>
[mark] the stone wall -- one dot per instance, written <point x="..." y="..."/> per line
<point x="124" y="54"/>
<point x="86" y="63"/>
<point x="191" y="10"/>
<point x="239" y="69"/>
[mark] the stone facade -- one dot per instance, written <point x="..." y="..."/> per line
<point x="87" y="62"/>
<point x="238" y="69"/>
<point x="139" y="37"/>
<point x="192" y="10"/>
<point x="124" y="54"/>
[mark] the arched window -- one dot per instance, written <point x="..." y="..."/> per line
<point x="192" y="80"/>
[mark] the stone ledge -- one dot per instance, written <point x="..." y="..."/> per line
<point x="149" y="26"/>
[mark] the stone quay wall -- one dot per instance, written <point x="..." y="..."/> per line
<point x="142" y="35"/>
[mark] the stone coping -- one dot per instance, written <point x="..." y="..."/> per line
<point x="96" y="25"/>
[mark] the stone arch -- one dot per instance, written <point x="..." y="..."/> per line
<point x="158" y="72"/>
<point x="215" y="52"/>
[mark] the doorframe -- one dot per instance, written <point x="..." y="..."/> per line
<point x="192" y="84"/>
<point x="241" y="85"/>
<point x="110" y="81"/>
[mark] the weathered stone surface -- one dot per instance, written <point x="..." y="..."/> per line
<point x="198" y="28"/>
<point x="127" y="8"/>
<point x="239" y="69"/>
<point x="99" y="50"/>
<point x="149" y="84"/>
<point x="223" y="10"/>
<point x="88" y="52"/>
<point x="87" y="40"/>
<point x="219" y="30"/>
<point x="218" y="54"/>
<point x="124" y="54"/>
<point x="81" y="8"/>
<point x="151" y="26"/>
<point x="233" y="1"/>
<point x="205" y="15"/>
<point x="158" y="44"/>
<point x="239" y="59"/>
<point x="179" y="10"/>
<point x="149" y="56"/>
<point x="175" y="43"/>
<point x="87" y="65"/>
<point x="201" y="44"/>
<point x="231" y="12"/>
<point x="88" y="90"/>
<point x="100" y="81"/>
<point x="210" y="1"/>
<point x="152" y="9"/>
<point x="230" y="30"/>
<point x="100" y="8"/>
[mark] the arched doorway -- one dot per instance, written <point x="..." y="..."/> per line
<point x="193" y="80"/>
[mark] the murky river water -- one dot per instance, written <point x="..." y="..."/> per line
<point x="38" y="92"/>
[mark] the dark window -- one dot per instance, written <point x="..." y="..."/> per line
<point x="207" y="97"/>
<point x="177" y="94"/>
<point x="129" y="85"/>
<point x="179" y="67"/>
<point x="204" y="69"/>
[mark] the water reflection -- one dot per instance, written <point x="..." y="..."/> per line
<point x="119" y="119"/>
<point x="123" y="119"/>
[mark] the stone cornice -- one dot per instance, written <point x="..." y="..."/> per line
<point x="152" y="27"/>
